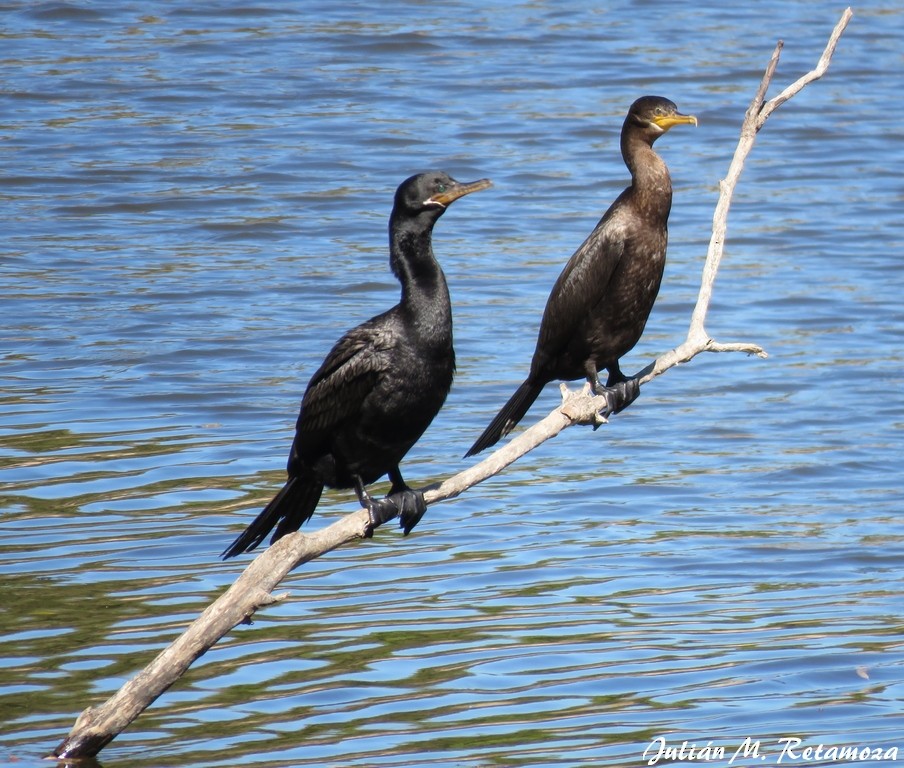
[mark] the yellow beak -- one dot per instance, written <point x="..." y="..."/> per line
<point x="668" y="121"/>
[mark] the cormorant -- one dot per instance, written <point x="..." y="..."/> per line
<point x="381" y="384"/>
<point x="599" y="305"/>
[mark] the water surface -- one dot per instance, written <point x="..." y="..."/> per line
<point x="195" y="204"/>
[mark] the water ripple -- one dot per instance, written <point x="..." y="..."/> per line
<point x="196" y="201"/>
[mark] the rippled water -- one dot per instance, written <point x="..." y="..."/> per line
<point x="195" y="204"/>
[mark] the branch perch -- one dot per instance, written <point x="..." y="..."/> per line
<point x="98" y="726"/>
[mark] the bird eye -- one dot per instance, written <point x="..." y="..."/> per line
<point x="440" y="187"/>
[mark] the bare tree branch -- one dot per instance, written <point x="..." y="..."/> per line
<point x="97" y="726"/>
<point x="818" y="71"/>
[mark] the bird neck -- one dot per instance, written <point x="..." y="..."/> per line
<point x="651" y="184"/>
<point x="425" y="294"/>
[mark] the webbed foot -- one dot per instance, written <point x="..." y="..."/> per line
<point x="619" y="394"/>
<point x="379" y="511"/>
<point x="412" y="507"/>
<point x="402" y="502"/>
<point x="411" y="503"/>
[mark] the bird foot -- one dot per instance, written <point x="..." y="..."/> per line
<point x="379" y="512"/>
<point x="408" y="505"/>
<point x="412" y="507"/>
<point x="619" y="395"/>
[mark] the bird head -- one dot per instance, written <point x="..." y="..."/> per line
<point x="433" y="191"/>
<point x="657" y="114"/>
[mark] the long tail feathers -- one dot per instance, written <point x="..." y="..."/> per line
<point x="512" y="412"/>
<point x="287" y="511"/>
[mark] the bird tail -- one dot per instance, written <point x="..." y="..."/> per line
<point x="288" y="510"/>
<point x="512" y="412"/>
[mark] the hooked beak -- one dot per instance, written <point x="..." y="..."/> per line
<point x="458" y="190"/>
<point x="664" y="122"/>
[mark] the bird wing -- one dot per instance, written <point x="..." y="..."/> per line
<point x="345" y="378"/>
<point x="582" y="284"/>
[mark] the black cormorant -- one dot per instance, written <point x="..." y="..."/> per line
<point x="599" y="305"/>
<point x="381" y="384"/>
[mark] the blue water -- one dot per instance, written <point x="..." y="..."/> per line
<point x="195" y="203"/>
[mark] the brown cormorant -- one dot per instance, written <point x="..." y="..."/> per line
<point x="381" y="384"/>
<point x="599" y="305"/>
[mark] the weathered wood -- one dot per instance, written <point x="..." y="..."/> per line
<point x="97" y="726"/>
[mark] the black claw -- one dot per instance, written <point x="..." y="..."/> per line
<point x="380" y="512"/>
<point x="628" y="391"/>
<point x="409" y="505"/>
<point x="619" y="394"/>
<point x="371" y="525"/>
<point x="412" y="508"/>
